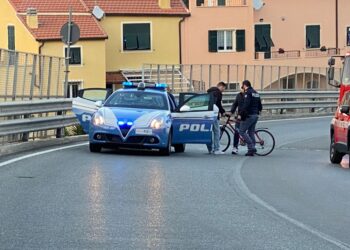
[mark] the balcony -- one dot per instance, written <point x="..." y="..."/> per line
<point x="221" y="3"/>
<point x="292" y="54"/>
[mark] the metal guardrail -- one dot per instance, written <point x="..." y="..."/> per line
<point x="19" y="119"/>
<point x="274" y="100"/>
<point x="32" y="116"/>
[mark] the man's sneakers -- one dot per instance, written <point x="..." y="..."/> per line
<point x="234" y="151"/>
<point x="218" y="152"/>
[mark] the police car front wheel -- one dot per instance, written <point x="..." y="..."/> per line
<point x="95" y="148"/>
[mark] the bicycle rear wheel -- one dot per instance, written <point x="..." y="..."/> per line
<point x="265" y="142"/>
<point x="225" y="138"/>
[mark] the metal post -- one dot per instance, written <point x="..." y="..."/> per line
<point x="279" y="77"/>
<point x="42" y="69"/>
<point x="158" y="73"/>
<point x="58" y="77"/>
<point x="173" y="77"/>
<point x="25" y="136"/>
<point x="49" y="79"/>
<point x="271" y="78"/>
<point x="319" y="78"/>
<point x="262" y="78"/>
<point x="7" y="73"/>
<point x="287" y="84"/>
<point x="201" y="83"/>
<point x="209" y="75"/>
<point x="312" y="77"/>
<point x="228" y="73"/>
<point x="32" y="82"/>
<point x="304" y="78"/>
<point x="24" y="75"/>
<point x="296" y="78"/>
<point x="59" y="131"/>
<point x="237" y="71"/>
<point x="68" y="52"/>
<point x="15" y="72"/>
<point x="191" y="78"/>
<point x="245" y="72"/>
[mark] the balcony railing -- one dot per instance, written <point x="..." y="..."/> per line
<point x="322" y="52"/>
<point x="289" y="54"/>
<point x="223" y="3"/>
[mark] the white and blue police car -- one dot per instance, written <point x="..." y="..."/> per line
<point x="144" y="116"/>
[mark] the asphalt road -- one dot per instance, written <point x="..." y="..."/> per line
<point x="72" y="199"/>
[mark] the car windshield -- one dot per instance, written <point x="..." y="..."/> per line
<point x="138" y="99"/>
<point x="346" y="72"/>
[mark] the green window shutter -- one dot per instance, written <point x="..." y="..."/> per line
<point x="11" y="37"/>
<point x="240" y="40"/>
<point x="200" y="2"/>
<point x="137" y="36"/>
<point x="313" y="36"/>
<point x="213" y="41"/>
<point x="221" y="2"/>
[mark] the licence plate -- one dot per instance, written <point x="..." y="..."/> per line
<point x="144" y="131"/>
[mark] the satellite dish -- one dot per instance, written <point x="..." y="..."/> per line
<point x="258" y="4"/>
<point x="98" y="12"/>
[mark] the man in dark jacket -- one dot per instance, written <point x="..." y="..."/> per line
<point x="217" y="93"/>
<point x="237" y="106"/>
<point x="250" y="115"/>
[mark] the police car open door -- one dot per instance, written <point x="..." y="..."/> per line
<point x="85" y="105"/>
<point x="193" y="121"/>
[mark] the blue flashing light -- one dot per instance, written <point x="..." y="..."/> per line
<point x="121" y="123"/>
<point x="129" y="123"/>
<point x="161" y="85"/>
<point x="128" y="84"/>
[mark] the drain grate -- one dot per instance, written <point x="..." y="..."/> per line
<point x="25" y="177"/>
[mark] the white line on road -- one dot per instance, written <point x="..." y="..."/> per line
<point x="2" y="164"/>
<point x="246" y="191"/>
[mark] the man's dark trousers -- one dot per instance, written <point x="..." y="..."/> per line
<point x="247" y="131"/>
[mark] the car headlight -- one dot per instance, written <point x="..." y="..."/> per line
<point x="157" y="123"/>
<point x="98" y="119"/>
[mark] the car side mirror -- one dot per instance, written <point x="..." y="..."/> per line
<point x="185" y="108"/>
<point x="99" y="104"/>
<point x="345" y="109"/>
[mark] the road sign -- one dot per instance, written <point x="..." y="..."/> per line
<point x="75" y="33"/>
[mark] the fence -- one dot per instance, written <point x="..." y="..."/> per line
<point x="24" y="120"/>
<point x="264" y="78"/>
<point x="25" y="76"/>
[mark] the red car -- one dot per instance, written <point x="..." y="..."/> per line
<point x="340" y="126"/>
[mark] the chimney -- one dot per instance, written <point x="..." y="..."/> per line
<point x="32" y="18"/>
<point x="164" y="4"/>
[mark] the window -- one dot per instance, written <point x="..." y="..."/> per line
<point x="73" y="88"/>
<point x="75" y="55"/>
<point x="200" y="2"/>
<point x="136" y="36"/>
<point x="313" y="36"/>
<point x="226" y="40"/>
<point x="290" y="84"/>
<point x="263" y="40"/>
<point x="312" y="85"/>
<point x="11" y="37"/>
<point x="221" y="2"/>
<point x="348" y="36"/>
<point x="198" y="103"/>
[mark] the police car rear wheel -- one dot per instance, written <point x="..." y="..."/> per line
<point x="180" y="148"/>
<point x="335" y="156"/>
<point x="95" y="148"/>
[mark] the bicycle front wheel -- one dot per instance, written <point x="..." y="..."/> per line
<point x="225" y="138"/>
<point x="264" y="142"/>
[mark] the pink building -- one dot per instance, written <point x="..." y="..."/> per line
<point x="293" y="35"/>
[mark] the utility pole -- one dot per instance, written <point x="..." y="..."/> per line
<point x="68" y="52"/>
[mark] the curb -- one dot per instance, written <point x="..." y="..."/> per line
<point x="15" y="148"/>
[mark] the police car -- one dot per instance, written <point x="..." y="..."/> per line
<point x="144" y="116"/>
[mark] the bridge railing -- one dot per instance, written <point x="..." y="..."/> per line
<point x="29" y="120"/>
<point x="26" y="76"/>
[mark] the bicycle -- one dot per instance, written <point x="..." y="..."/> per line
<point x="265" y="141"/>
